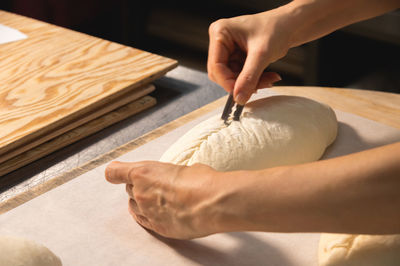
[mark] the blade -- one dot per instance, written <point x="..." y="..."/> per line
<point x="238" y="112"/>
<point x="228" y="108"/>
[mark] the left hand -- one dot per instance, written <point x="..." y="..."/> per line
<point x="173" y="201"/>
<point x="241" y="48"/>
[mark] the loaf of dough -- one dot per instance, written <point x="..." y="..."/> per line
<point x="273" y="131"/>
<point x="359" y="250"/>
<point x="18" y="251"/>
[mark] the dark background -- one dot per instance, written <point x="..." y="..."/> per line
<point x="365" y="55"/>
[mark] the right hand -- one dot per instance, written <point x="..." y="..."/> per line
<point x="242" y="47"/>
<point x="174" y="201"/>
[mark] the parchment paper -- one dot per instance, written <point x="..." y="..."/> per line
<point x="86" y="221"/>
<point x="8" y="34"/>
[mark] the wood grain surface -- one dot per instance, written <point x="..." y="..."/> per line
<point x="352" y="101"/>
<point x="48" y="134"/>
<point x="74" y="135"/>
<point x="56" y="76"/>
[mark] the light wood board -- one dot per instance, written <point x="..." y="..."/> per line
<point x="74" y="135"/>
<point x="57" y="76"/>
<point x="85" y="117"/>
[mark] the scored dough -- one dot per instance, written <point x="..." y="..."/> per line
<point x="273" y="131"/>
<point x="18" y="251"/>
<point x="359" y="250"/>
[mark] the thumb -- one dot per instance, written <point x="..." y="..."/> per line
<point x="247" y="81"/>
<point x="118" y="172"/>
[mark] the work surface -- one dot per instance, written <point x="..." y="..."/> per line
<point x="86" y="221"/>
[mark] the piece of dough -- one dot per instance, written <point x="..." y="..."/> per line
<point x="277" y="130"/>
<point x="22" y="252"/>
<point x="359" y="250"/>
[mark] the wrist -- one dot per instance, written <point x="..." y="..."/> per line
<point x="293" y="21"/>
<point x="302" y="16"/>
<point x="231" y="203"/>
<point x="312" y="19"/>
<point x="251" y="201"/>
<point x="270" y="200"/>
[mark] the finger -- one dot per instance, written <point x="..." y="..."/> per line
<point x="219" y="70"/>
<point x="133" y="207"/>
<point x="224" y="77"/>
<point x="143" y="221"/>
<point x="121" y="172"/>
<point x="219" y="53"/>
<point x="249" y="77"/>
<point x="140" y="219"/>
<point x="118" y="172"/>
<point x="236" y="62"/>
<point x="267" y="79"/>
<point x="129" y="190"/>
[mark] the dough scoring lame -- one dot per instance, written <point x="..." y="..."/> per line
<point x="273" y="131"/>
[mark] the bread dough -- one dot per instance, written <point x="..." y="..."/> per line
<point x="359" y="250"/>
<point x="22" y="252"/>
<point x="277" y="130"/>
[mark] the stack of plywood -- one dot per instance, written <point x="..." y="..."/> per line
<point x="58" y="86"/>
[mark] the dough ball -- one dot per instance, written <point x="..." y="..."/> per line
<point x="359" y="250"/>
<point x="273" y="131"/>
<point x="22" y="252"/>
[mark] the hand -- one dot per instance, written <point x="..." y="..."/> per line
<point x="173" y="201"/>
<point x="241" y="48"/>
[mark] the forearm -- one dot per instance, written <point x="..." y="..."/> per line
<point x="358" y="193"/>
<point x="312" y="19"/>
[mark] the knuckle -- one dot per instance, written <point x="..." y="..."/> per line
<point x="261" y="51"/>
<point x="248" y="78"/>
<point x="140" y="198"/>
<point x="139" y="172"/>
<point x="128" y="188"/>
<point x="214" y="27"/>
<point x="218" y="27"/>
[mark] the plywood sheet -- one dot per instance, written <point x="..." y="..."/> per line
<point x="74" y="135"/>
<point x="86" y="221"/>
<point x="56" y="76"/>
<point x="50" y="133"/>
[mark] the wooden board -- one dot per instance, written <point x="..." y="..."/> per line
<point x="57" y="76"/>
<point x="85" y="117"/>
<point x="74" y="135"/>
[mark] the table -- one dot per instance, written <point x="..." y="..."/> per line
<point x="179" y="92"/>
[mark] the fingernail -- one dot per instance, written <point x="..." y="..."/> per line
<point x="276" y="78"/>
<point x="108" y="174"/>
<point x="241" y="98"/>
<point x="110" y="170"/>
